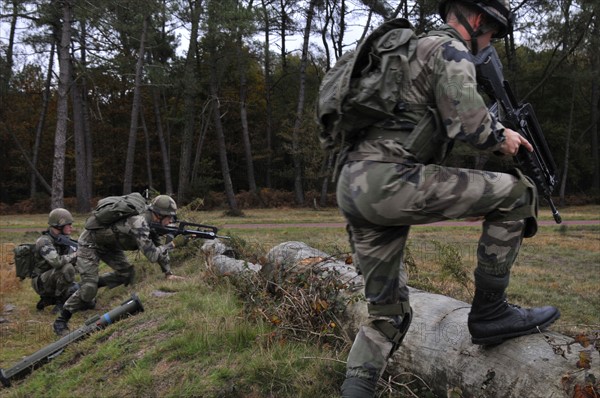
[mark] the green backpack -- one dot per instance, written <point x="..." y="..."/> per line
<point x="364" y="85"/>
<point x="25" y="260"/>
<point x="114" y="208"/>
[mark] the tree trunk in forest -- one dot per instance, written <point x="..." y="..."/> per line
<point x="326" y="171"/>
<point x="189" y="108"/>
<point x="437" y="348"/>
<point x="283" y="33"/>
<point x="135" y="113"/>
<point x="244" y="121"/>
<point x="6" y="67"/>
<point x="228" y="184"/>
<point x="62" y="108"/>
<point x="81" y="127"/>
<point x="565" y="170"/>
<point x="595" y="105"/>
<point x="87" y="125"/>
<point x="268" y="103"/>
<point x="81" y="177"/>
<point x="166" y="161"/>
<point x="206" y="117"/>
<point x="41" y="121"/>
<point x="148" y="156"/>
<point x="296" y="151"/>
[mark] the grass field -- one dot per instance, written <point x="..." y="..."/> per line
<point x="200" y="337"/>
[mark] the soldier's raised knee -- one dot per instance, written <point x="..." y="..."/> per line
<point x="68" y="272"/>
<point x="520" y="204"/>
<point x="88" y="291"/>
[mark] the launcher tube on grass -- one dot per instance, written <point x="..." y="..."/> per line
<point x="129" y="307"/>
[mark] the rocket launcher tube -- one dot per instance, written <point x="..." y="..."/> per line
<point x="129" y="307"/>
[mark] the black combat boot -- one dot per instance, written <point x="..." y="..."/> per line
<point x="492" y="319"/>
<point x="44" y="302"/>
<point x="355" y="387"/>
<point x="61" y="326"/>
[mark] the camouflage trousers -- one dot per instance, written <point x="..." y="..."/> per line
<point x="381" y="200"/>
<point x="88" y="261"/>
<point x="54" y="282"/>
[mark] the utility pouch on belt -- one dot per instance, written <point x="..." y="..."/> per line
<point x="428" y="141"/>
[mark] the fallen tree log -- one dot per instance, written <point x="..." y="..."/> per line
<point x="438" y="349"/>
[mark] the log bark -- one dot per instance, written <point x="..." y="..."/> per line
<point x="438" y="348"/>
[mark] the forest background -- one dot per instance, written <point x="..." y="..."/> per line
<point x="213" y="101"/>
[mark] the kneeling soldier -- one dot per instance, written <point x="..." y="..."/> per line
<point x="54" y="277"/>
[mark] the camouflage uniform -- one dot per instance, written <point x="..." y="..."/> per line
<point x="109" y="245"/>
<point x="53" y="276"/>
<point x="390" y="182"/>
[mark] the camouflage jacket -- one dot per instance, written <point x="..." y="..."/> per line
<point x="443" y="81"/>
<point x="132" y="233"/>
<point x="54" y="255"/>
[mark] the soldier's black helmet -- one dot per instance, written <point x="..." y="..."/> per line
<point x="164" y="205"/>
<point x="497" y="10"/>
<point x="59" y="217"/>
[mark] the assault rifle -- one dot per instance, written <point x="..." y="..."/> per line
<point x="187" y="228"/>
<point x="129" y="307"/>
<point x="66" y="241"/>
<point x="539" y="164"/>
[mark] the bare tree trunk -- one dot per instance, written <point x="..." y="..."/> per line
<point x="205" y="117"/>
<point x="565" y="171"/>
<point x="244" y="120"/>
<point x="80" y="125"/>
<point x="283" y="32"/>
<point x="87" y="126"/>
<point x="135" y="110"/>
<point x="6" y="68"/>
<point x="42" y="121"/>
<point x="326" y="169"/>
<point x="437" y="348"/>
<point x="166" y="161"/>
<point x="147" y="140"/>
<point x="595" y="104"/>
<point x="62" y="109"/>
<point x="81" y="177"/>
<point x="296" y="153"/>
<point x="268" y="90"/>
<point x="228" y="184"/>
<point x="190" y="93"/>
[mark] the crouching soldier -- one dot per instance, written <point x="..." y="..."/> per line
<point x="54" y="277"/>
<point x="109" y="243"/>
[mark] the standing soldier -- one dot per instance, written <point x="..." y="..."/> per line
<point x="393" y="179"/>
<point x="109" y="243"/>
<point x="53" y="278"/>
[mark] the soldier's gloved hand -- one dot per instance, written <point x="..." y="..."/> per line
<point x="180" y="240"/>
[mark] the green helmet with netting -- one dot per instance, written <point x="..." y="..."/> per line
<point x="497" y="10"/>
<point x="164" y="205"/>
<point x="59" y="218"/>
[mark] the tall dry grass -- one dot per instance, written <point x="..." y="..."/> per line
<point x="8" y="278"/>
